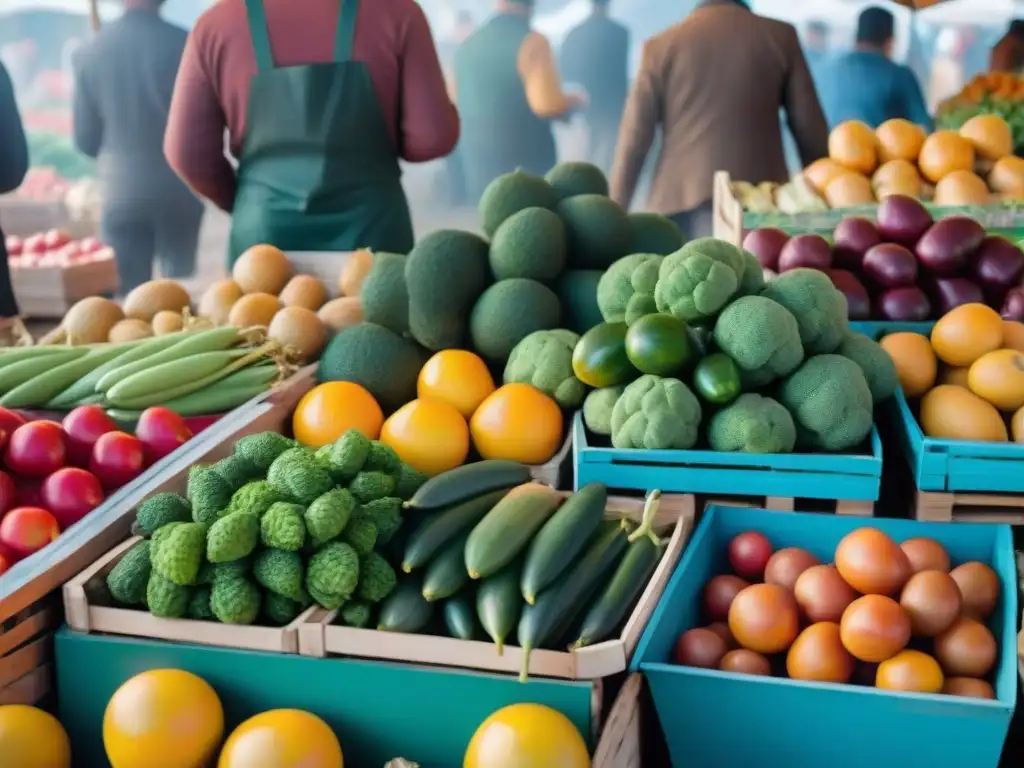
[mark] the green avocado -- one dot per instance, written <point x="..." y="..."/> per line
<point x="659" y="344"/>
<point x="717" y="379"/>
<point x="599" y="358"/>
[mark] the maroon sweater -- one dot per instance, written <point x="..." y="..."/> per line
<point x="211" y="93"/>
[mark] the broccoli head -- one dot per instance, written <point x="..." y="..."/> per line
<point x="361" y="534"/>
<point x="598" y="407"/>
<point x="874" y="362"/>
<point x="543" y="359"/>
<point x="752" y="424"/>
<point x="235" y="600"/>
<point x="349" y="453"/>
<point x="232" y="537"/>
<point x="376" y="578"/>
<point x="409" y="481"/>
<point x="367" y="486"/>
<point x="328" y="515"/>
<point x="762" y="338"/>
<point x="830" y="401"/>
<point x="385" y="514"/>
<point x="656" y="413"/>
<point x="625" y="292"/>
<point x="752" y="279"/>
<point x="281" y="572"/>
<point x="160" y="509"/>
<point x="166" y="599"/>
<point x="255" y="497"/>
<point x="817" y="305"/>
<point x="693" y="285"/>
<point x="209" y="493"/>
<point x="382" y="458"/>
<point x="198" y="608"/>
<point x="332" y="575"/>
<point x="283" y="527"/>
<point x="355" y="613"/>
<point x="261" y="449"/>
<point x="128" y="579"/>
<point x="236" y="470"/>
<point x="297" y="474"/>
<point x="279" y="610"/>
<point x="177" y="550"/>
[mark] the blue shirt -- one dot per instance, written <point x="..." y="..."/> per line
<point x="867" y="86"/>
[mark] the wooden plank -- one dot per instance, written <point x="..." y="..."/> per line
<point x="16" y="665"/>
<point x="931" y="506"/>
<point x="619" y="746"/>
<point x="29" y="689"/>
<point x="31" y="623"/>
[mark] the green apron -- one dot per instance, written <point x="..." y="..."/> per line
<point x="317" y="171"/>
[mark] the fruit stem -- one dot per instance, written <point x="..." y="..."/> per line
<point x="647" y="520"/>
<point x="524" y="670"/>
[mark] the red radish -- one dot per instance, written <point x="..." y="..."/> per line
<point x="36" y="449"/>
<point x="10" y="420"/>
<point x="162" y="432"/>
<point x="83" y="427"/>
<point x="117" y="458"/>
<point x="28" y="493"/>
<point x="26" y="530"/>
<point x="56" y="238"/>
<point x="70" y="494"/>
<point x="8" y="492"/>
<point x="749" y="553"/>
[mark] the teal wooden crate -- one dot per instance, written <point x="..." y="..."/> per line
<point x="876" y="329"/>
<point x="379" y="711"/>
<point x="1008" y="218"/>
<point x="713" y="719"/>
<point x="796" y="475"/>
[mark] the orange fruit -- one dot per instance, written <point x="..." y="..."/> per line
<point x="914" y="360"/>
<point x="331" y="409"/>
<point x="910" y="671"/>
<point x="517" y="422"/>
<point x="1013" y="334"/>
<point x="282" y="738"/>
<point x="874" y="628"/>
<point x="1017" y="426"/>
<point x="998" y="377"/>
<point x="899" y="139"/>
<point x="955" y="376"/>
<point x="966" y="333"/>
<point x="32" y="738"/>
<point x="527" y="736"/>
<point x="853" y="145"/>
<point x="428" y="435"/>
<point x="954" y="413"/>
<point x="456" y="377"/>
<point x="764" y="618"/>
<point x="944" y="152"/>
<point x="818" y="654"/>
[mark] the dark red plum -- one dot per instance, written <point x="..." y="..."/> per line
<point x="854" y="236"/>
<point x="891" y="265"/>
<point x="946" y="246"/>
<point x="951" y="292"/>
<point x="907" y="304"/>
<point x="766" y="244"/>
<point x="858" y="303"/>
<point x="902" y="220"/>
<point x="807" y="250"/>
<point x="997" y="263"/>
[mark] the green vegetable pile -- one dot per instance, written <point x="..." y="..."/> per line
<point x="52" y="150"/>
<point x="270" y="530"/>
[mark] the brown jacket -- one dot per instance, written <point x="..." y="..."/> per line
<point x="1007" y="54"/>
<point x="714" y="84"/>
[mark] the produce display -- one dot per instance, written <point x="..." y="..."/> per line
<point x="54" y="248"/>
<point x="51" y="153"/>
<point x="54" y="474"/>
<point x="897" y="616"/>
<point x="998" y="93"/>
<point x="904" y="266"/>
<point x="966" y="382"/>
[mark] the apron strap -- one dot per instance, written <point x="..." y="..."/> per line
<point x="259" y="34"/>
<point x="346" y="30"/>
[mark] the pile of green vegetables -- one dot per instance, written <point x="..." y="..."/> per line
<point x="52" y="150"/>
<point x="954" y="113"/>
<point x="270" y="530"/>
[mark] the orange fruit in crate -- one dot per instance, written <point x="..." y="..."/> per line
<point x="910" y="671"/>
<point x="914" y="360"/>
<point x="818" y="654"/>
<point x="954" y="413"/>
<point x="998" y="377"/>
<point x="456" y="377"/>
<point x="32" y="738"/>
<point x="899" y="139"/>
<point x="965" y="333"/>
<point x="990" y="135"/>
<point x="853" y="145"/>
<point x="168" y="713"/>
<point x="282" y="738"/>
<point x="428" y="435"/>
<point x="1013" y="335"/>
<point x="517" y="422"/>
<point x="944" y="152"/>
<point x="331" y="409"/>
<point x="764" y="618"/>
<point x="527" y="736"/>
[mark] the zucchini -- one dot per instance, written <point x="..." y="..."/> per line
<point x="460" y="618"/>
<point x="499" y="604"/>
<point x="43" y="388"/>
<point x="405" y="610"/>
<point x="439" y="528"/>
<point x="467" y="481"/>
<point x="542" y="620"/>
<point x="562" y="538"/>
<point x="446" y="574"/>
<point x="505" y="531"/>
<point x="21" y="371"/>
<point x="11" y="355"/>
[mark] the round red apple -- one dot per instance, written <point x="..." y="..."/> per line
<point x="36" y="449"/>
<point x="56" y="238"/>
<point x="117" y="459"/>
<point x="70" y="494"/>
<point x="82" y="428"/>
<point x="10" y="420"/>
<point x="14" y="245"/>
<point x="161" y="431"/>
<point x="25" y="530"/>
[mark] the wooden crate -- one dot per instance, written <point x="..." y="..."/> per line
<point x="854" y="507"/>
<point x="934" y="507"/>
<point x="320" y="637"/>
<point x="620" y="742"/>
<point x="23" y="218"/>
<point x="26" y="654"/>
<point x="48" y="292"/>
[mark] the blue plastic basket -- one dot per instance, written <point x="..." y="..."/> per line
<point x="713" y="719"/>
<point x="794" y="475"/>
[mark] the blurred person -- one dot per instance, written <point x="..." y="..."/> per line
<point x="1008" y="54"/>
<point x="595" y="55"/>
<point x="13" y="167"/>
<point x="508" y="92"/>
<point x="816" y="46"/>
<point x="866" y="84"/>
<point x="321" y="98"/>
<point x="124" y="78"/>
<point x="717" y="111"/>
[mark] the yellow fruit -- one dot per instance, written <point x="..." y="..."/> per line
<point x="354" y="272"/>
<point x="32" y="738"/>
<point x="428" y="435"/>
<point x="1013" y="335"/>
<point x="254" y="309"/>
<point x="341" y="313"/>
<point x="218" y="299"/>
<point x="896" y="177"/>
<point x="914" y="360"/>
<point x="955" y="376"/>
<point x="331" y="409"/>
<point x="899" y="139"/>
<point x="155" y="296"/>
<point x="90" y="319"/>
<point x="129" y="329"/>
<point x="304" y="291"/>
<point x="998" y="377"/>
<point x="282" y="738"/>
<point x="954" y="413"/>
<point x="944" y="152"/>
<point x="821" y="172"/>
<point x="527" y="736"/>
<point x="961" y="188"/>
<point x="300" y="329"/>
<point x="1017" y="426"/>
<point x="517" y="422"/>
<point x="165" y="322"/>
<point x="165" y="713"/>
<point x="853" y="145"/>
<point x="990" y="135"/>
<point x="966" y="333"/>
<point x="456" y="377"/>
<point x="262" y="269"/>
<point x="1007" y="178"/>
<point x="848" y="190"/>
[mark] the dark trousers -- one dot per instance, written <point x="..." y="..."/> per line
<point x="8" y="306"/>
<point x="142" y="234"/>
<point x="695" y="223"/>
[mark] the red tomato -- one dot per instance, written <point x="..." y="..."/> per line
<point x="5" y="564"/>
<point x="70" y="494"/>
<point x="82" y="428"/>
<point x="8" y="492"/>
<point x="25" y="530"/>
<point x="161" y="431"/>
<point x="117" y="458"/>
<point x="10" y="420"/>
<point x="36" y="449"/>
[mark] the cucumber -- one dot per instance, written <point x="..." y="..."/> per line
<point x="446" y="574"/>
<point x="621" y="592"/>
<point x="439" y="527"/>
<point x="499" y="604"/>
<point x="562" y="538"/>
<point x="541" y="621"/>
<point x="17" y="373"/>
<point x="467" y="481"/>
<point x="405" y="610"/>
<point x="505" y="531"/>
<point x="43" y="388"/>
<point x="460" y="618"/>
